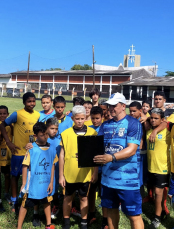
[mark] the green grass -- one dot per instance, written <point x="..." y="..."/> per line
<point x="8" y="220"/>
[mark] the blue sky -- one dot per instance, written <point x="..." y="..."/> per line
<point x="60" y="33"/>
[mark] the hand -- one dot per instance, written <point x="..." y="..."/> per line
<point x="103" y="159"/>
<point x="62" y="181"/>
<point x="22" y="187"/>
<point x="13" y="148"/>
<point x="50" y="188"/>
<point x="152" y="136"/>
<point x="28" y="146"/>
<point x="143" y="118"/>
<point x="94" y="178"/>
<point x="67" y="113"/>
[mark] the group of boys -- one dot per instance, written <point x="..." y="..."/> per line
<point x="44" y="150"/>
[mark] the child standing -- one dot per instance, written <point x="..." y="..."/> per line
<point x="71" y="177"/>
<point x="146" y="106"/>
<point x="48" y="111"/>
<point x="5" y="157"/>
<point x="38" y="170"/>
<point x="95" y="95"/>
<point x="88" y="106"/>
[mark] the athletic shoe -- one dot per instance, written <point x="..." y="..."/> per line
<point x="15" y="208"/>
<point x="2" y="208"/>
<point x="54" y="211"/>
<point x="36" y="221"/>
<point x="164" y="215"/>
<point x="75" y="212"/>
<point x="7" y="198"/>
<point x="50" y="227"/>
<point x="155" y="223"/>
<point x="67" y="226"/>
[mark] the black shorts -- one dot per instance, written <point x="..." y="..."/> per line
<point x="30" y="203"/>
<point x="5" y="169"/>
<point x="82" y="188"/>
<point x="159" y="180"/>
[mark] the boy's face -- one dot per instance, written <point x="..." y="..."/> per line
<point x="95" y="98"/>
<point x="79" y="120"/>
<point x="59" y="108"/>
<point x="3" y="114"/>
<point x="145" y="108"/>
<point x="46" y="104"/>
<point x="134" y="112"/>
<point x="105" y="110"/>
<point x="52" y="131"/>
<point x="88" y="108"/>
<point x="155" y="120"/>
<point x="41" y="138"/>
<point x="96" y="119"/>
<point x="159" y="101"/>
<point x="30" y="103"/>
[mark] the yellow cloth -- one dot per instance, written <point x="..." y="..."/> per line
<point x="5" y="153"/>
<point x="147" y="115"/>
<point x="171" y="118"/>
<point x="23" y="129"/>
<point x="158" y="156"/>
<point x="72" y="173"/>
<point x="88" y="123"/>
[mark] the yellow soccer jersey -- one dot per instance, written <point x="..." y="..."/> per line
<point x="5" y="153"/>
<point x="171" y="118"/>
<point x="23" y="128"/>
<point x="88" y="123"/>
<point x="72" y="173"/>
<point x="147" y="115"/>
<point x="158" y="156"/>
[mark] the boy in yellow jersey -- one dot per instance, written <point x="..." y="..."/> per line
<point x="88" y="106"/>
<point x="24" y="121"/>
<point x="72" y="178"/>
<point x="5" y="157"/>
<point x="158" y="163"/>
<point x="38" y="175"/>
<point x="146" y="106"/>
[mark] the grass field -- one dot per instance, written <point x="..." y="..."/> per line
<point x="8" y="219"/>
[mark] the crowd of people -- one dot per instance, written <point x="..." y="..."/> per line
<point x="42" y="147"/>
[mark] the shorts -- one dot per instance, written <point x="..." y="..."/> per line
<point x="30" y="203"/>
<point x="171" y="187"/>
<point x="82" y="188"/>
<point x="143" y="168"/>
<point x="158" y="180"/>
<point x="131" y="200"/>
<point x="5" y="169"/>
<point x="16" y="165"/>
<point x="98" y="183"/>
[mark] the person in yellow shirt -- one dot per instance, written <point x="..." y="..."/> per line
<point x="88" y="106"/>
<point x="72" y="178"/>
<point x="24" y="121"/>
<point x="158" y="163"/>
<point x="5" y="157"/>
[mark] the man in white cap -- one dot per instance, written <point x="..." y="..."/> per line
<point x="121" y="164"/>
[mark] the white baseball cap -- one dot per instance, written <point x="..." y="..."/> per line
<point x="116" y="98"/>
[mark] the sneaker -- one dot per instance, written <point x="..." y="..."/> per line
<point x="75" y="212"/>
<point x="67" y="226"/>
<point x="7" y="198"/>
<point x="54" y="212"/>
<point x="2" y="208"/>
<point x="15" y="208"/>
<point x="36" y="221"/>
<point x="50" y="227"/>
<point x="155" y="223"/>
<point x="164" y="215"/>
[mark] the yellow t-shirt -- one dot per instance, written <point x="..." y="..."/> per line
<point x="88" y="123"/>
<point x="23" y="129"/>
<point x="171" y="118"/>
<point x="5" y="153"/>
<point x="72" y="173"/>
<point x="147" y="114"/>
<point x="158" y="156"/>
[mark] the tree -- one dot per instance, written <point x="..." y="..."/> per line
<point x="81" y="67"/>
<point x="169" y="73"/>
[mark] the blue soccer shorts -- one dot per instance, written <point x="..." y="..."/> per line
<point x="131" y="200"/>
<point x="16" y="165"/>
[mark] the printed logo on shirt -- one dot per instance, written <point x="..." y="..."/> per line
<point x="23" y="123"/>
<point x="121" y="132"/>
<point x="44" y="164"/>
<point x="151" y="145"/>
<point x="160" y="136"/>
<point x="26" y="155"/>
<point x="3" y="152"/>
<point x="113" y="148"/>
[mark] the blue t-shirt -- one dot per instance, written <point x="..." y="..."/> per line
<point x="67" y="123"/>
<point x="122" y="174"/>
<point x="44" y="117"/>
<point x="70" y="114"/>
<point x="96" y="128"/>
